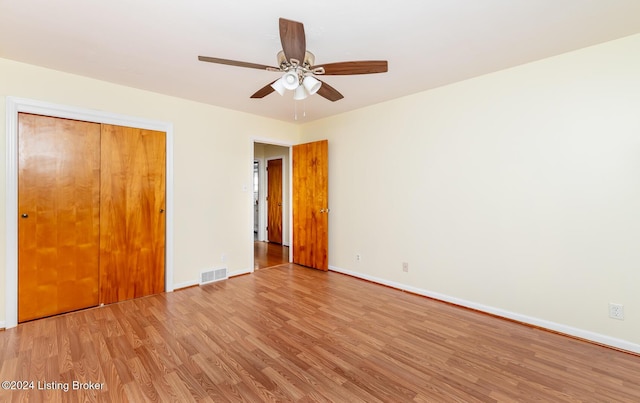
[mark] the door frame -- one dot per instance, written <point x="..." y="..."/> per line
<point x="288" y="145"/>
<point x="16" y="105"/>
<point x="258" y="225"/>
<point x="262" y="213"/>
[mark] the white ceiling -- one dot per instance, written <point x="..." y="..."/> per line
<point x="154" y="44"/>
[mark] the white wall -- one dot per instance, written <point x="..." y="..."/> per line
<point x="213" y="150"/>
<point x="516" y="192"/>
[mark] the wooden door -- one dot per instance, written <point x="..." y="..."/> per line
<point x="311" y="205"/>
<point x="132" y="219"/>
<point x="59" y="207"/>
<point x="274" y="200"/>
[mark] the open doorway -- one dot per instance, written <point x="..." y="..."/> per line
<point x="271" y="213"/>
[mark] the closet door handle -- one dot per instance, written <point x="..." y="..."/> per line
<point x="161" y="210"/>
<point x="25" y="215"/>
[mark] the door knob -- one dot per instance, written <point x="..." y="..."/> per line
<point x="25" y="215"/>
<point x="161" y="210"/>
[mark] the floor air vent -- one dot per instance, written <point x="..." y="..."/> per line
<point x="211" y="276"/>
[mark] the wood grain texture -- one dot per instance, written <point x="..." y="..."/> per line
<point x="329" y="92"/>
<point x="294" y="334"/>
<point x="269" y="254"/>
<point x="274" y="200"/>
<point x="59" y="191"/>
<point x="264" y="91"/>
<point x="357" y="67"/>
<point x="132" y="219"/>
<point x="293" y="39"/>
<point x="310" y="207"/>
<point x="234" y="63"/>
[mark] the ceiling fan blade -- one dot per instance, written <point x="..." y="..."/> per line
<point x="235" y="63"/>
<point x="264" y="91"/>
<point x="292" y="37"/>
<point x="347" y="68"/>
<point x="329" y="92"/>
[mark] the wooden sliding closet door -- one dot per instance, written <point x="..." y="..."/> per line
<point x="132" y="219"/>
<point x="59" y="208"/>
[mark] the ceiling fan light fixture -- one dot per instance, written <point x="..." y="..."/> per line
<point x="300" y="93"/>
<point x="279" y="86"/>
<point x="290" y="80"/>
<point x="311" y="84"/>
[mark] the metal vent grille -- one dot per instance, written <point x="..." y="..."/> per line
<point x="211" y="276"/>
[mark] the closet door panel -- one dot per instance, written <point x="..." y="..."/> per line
<point x="59" y="207"/>
<point x="132" y="219"/>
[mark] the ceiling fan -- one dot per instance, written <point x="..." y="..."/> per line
<point x="299" y="68"/>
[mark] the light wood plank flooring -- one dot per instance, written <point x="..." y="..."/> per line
<point x="293" y="334"/>
<point x="269" y="254"/>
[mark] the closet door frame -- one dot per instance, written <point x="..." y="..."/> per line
<point x="17" y="105"/>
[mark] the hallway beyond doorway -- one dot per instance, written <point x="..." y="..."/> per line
<point x="269" y="254"/>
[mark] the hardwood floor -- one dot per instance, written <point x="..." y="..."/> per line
<point x="296" y="334"/>
<point x="268" y="254"/>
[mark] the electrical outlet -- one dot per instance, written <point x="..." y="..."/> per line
<point x="405" y="267"/>
<point x="358" y="257"/>
<point x="616" y="311"/>
<point x="223" y="257"/>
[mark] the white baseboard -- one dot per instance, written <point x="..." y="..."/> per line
<point x="556" y="327"/>
<point x="240" y="272"/>
<point x="185" y="284"/>
<point x="2" y="326"/>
